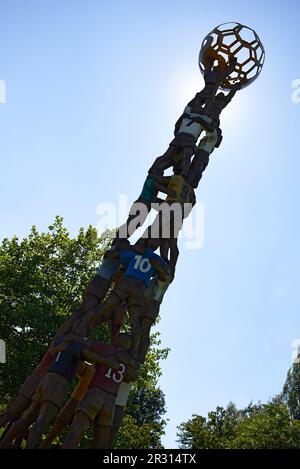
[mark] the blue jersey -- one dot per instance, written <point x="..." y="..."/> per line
<point x="108" y="269"/>
<point x="66" y="362"/>
<point x="138" y="265"/>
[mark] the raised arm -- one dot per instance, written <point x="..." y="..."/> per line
<point x="160" y="183"/>
<point x="125" y="358"/>
<point x="231" y="66"/>
<point x="162" y="268"/>
<point x="231" y="94"/>
<point x="98" y="359"/>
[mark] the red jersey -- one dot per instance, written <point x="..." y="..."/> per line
<point x="106" y="378"/>
<point x="44" y="364"/>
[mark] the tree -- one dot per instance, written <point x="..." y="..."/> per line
<point x="291" y="391"/>
<point x="42" y="279"/>
<point x="213" y="432"/>
<point x="271" y="428"/>
<point x="262" y="426"/>
<point x="135" y="436"/>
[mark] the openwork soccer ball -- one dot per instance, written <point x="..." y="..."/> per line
<point x="242" y="42"/>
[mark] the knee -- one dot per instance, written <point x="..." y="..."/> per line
<point x="202" y="157"/>
<point x="188" y="152"/>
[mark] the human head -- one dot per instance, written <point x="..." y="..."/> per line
<point x="124" y="341"/>
<point x="220" y="96"/>
<point x="152" y="243"/>
<point x="122" y="243"/>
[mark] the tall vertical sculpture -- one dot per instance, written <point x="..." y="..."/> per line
<point x="133" y="279"/>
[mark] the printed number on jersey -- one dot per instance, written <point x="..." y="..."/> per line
<point x="142" y="264"/>
<point x="118" y="376"/>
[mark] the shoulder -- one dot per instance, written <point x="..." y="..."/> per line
<point x="149" y="181"/>
<point x="126" y="253"/>
<point x="74" y="348"/>
<point x="150" y="254"/>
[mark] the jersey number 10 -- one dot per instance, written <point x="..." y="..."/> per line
<point x="142" y="264"/>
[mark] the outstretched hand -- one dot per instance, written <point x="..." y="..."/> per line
<point x="237" y="86"/>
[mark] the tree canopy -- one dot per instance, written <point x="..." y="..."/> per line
<point x="42" y="280"/>
<point x="264" y="426"/>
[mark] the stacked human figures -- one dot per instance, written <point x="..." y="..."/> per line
<point x="131" y="281"/>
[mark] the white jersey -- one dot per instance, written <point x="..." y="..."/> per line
<point x="123" y="393"/>
<point x="188" y="126"/>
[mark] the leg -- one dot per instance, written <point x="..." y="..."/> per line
<point x="137" y="217"/>
<point x="19" y="439"/>
<point x="117" y="320"/>
<point x="164" y="249"/>
<point x="78" y="428"/>
<point x="187" y="156"/>
<point x="64" y="419"/>
<point x="94" y="293"/>
<point x="146" y="325"/>
<point x="134" y="312"/>
<point x="165" y="161"/>
<point x="207" y="145"/>
<point x="118" y="415"/>
<point x="198" y="165"/>
<point x="20" y="404"/>
<point x="115" y="331"/>
<point x="174" y="253"/>
<point x="7" y="429"/>
<point x="103" y="422"/>
<point x="47" y="414"/>
<point x="20" y="426"/>
<point x="101" y="436"/>
<point x="99" y="315"/>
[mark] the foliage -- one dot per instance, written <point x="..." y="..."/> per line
<point x="291" y="391"/>
<point x="42" y="279"/>
<point x="264" y="426"/>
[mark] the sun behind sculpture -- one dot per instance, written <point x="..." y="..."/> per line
<point x="234" y="40"/>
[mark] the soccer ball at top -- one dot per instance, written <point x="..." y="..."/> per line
<point x="234" y="40"/>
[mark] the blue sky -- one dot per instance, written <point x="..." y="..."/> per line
<point x="93" y="92"/>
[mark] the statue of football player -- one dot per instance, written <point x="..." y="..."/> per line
<point x="51" y="392"/>
<point x="154" y="295"/>
<point x="119" y="409"/>
<point x="117" y="320"/>
<point x="24" y="397"/>
<point x="99" y="402"/>
<point x="169" y="220"/>
<point x="216" y="69"/>
<point x="85" y="375"/>
<point x="142" y="206"/>
<point x="193" y="121"/>
<point x="213" y="136"/>
<point x="141" y="264"/>
<point x="201" y="159"/>
<point x="99" y="285"/>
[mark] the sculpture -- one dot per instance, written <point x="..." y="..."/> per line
<point x="231" y="57"/>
